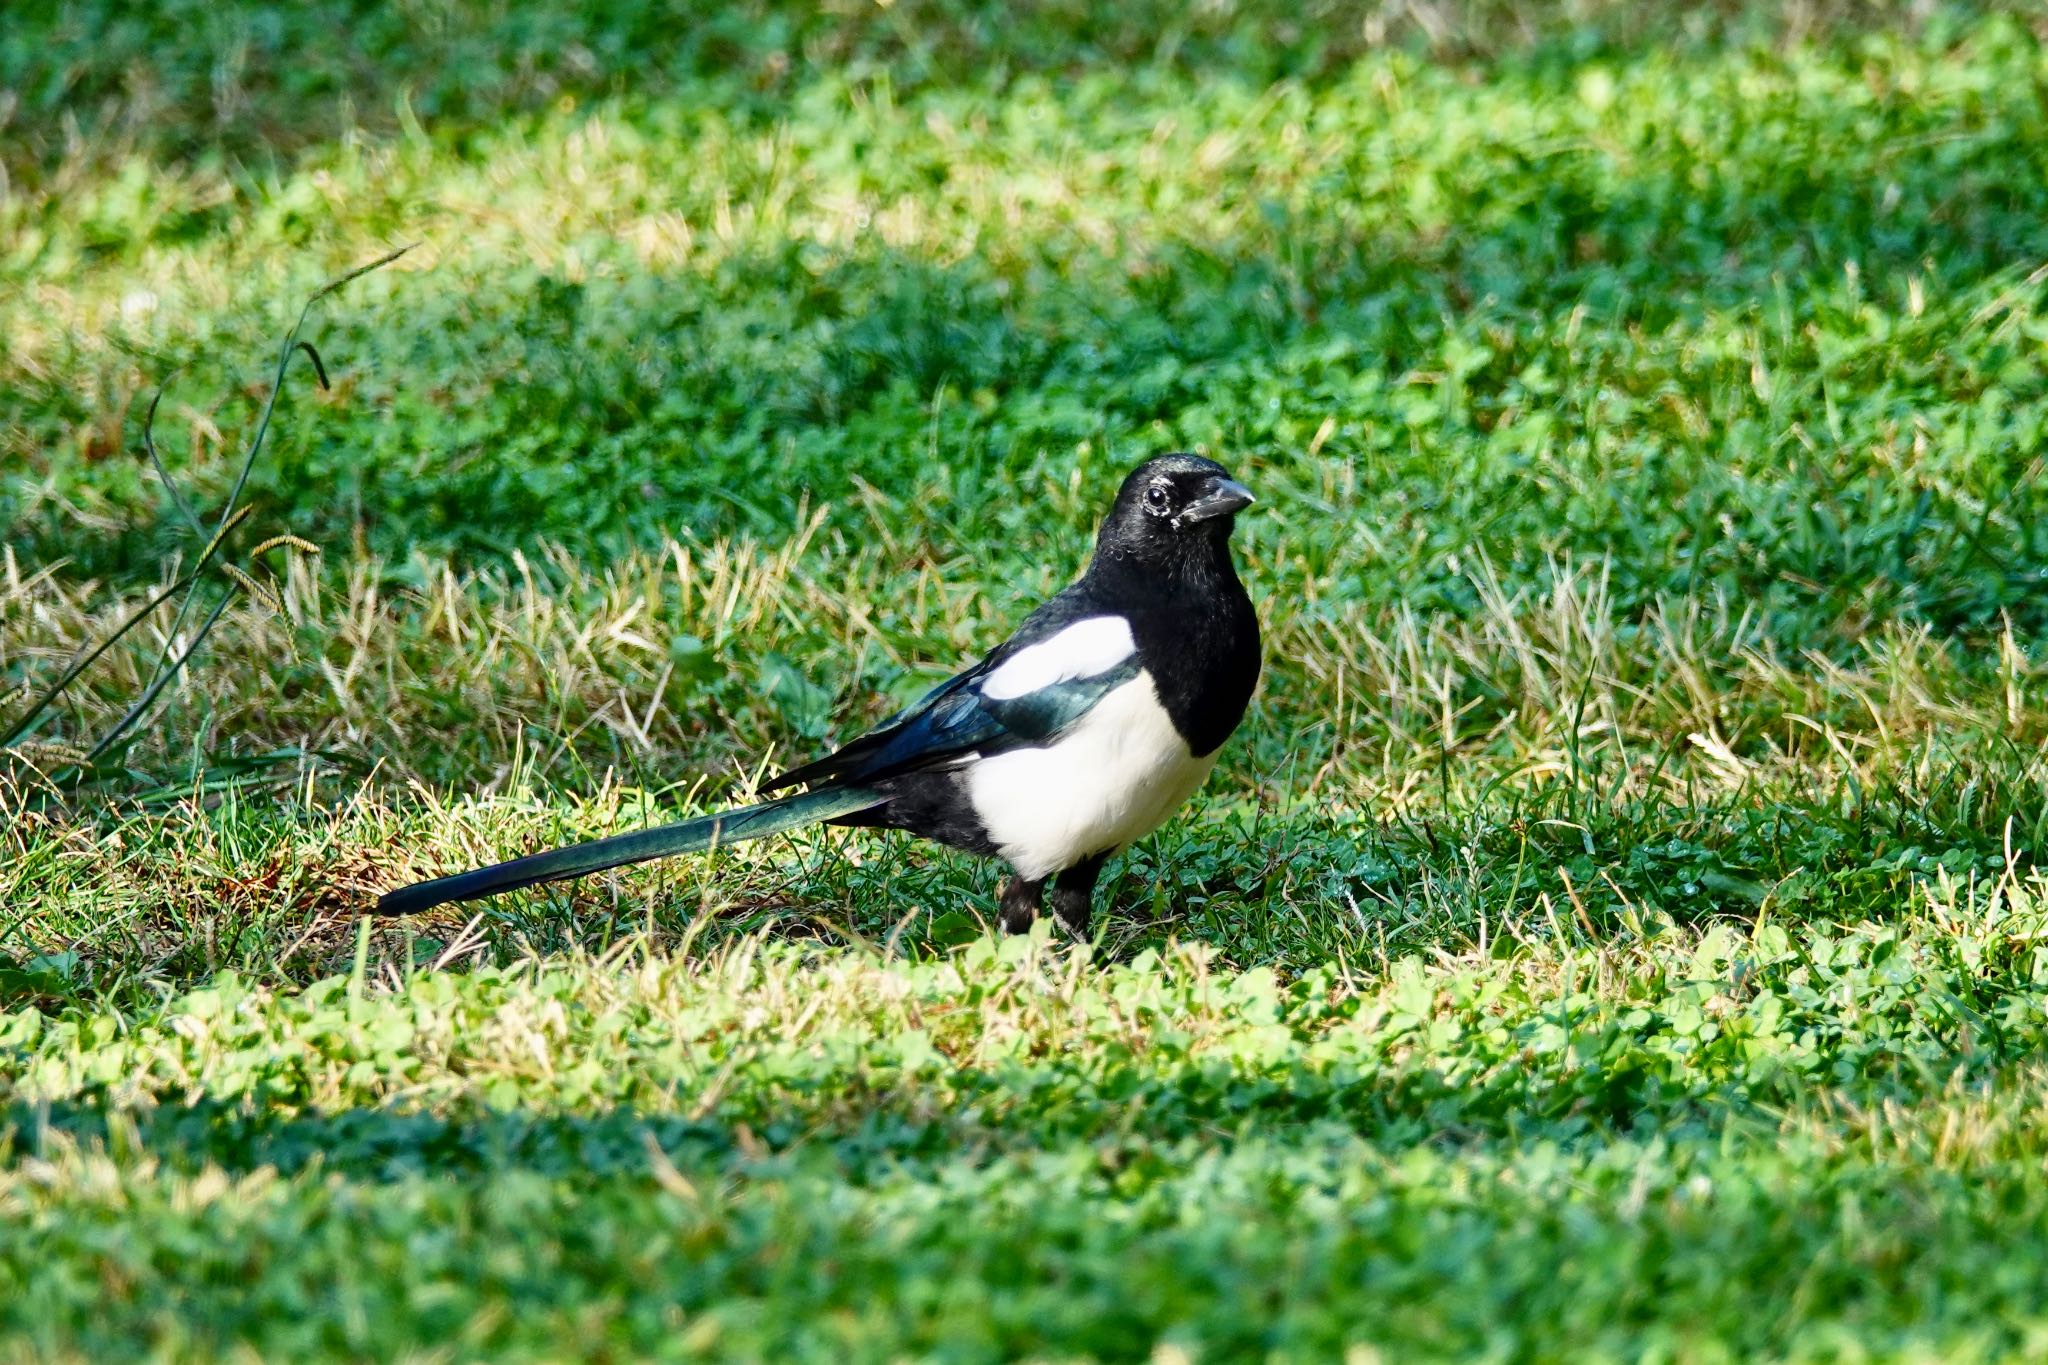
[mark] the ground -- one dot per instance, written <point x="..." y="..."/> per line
<point x="1615" y="933"/>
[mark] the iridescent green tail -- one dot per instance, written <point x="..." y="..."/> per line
<point x="691" y="836"/>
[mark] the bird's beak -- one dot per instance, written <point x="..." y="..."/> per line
<point x="1224" y="497"/>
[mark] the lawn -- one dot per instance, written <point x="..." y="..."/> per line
<point x="1616" y="933"/>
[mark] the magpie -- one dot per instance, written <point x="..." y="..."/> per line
<point x="1080" y="734"/>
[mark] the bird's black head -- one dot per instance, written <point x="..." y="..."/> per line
<point x="1172" y="507"/>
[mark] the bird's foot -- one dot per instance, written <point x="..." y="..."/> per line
<point x="1020" y="904"/>
<point x="1072" y="906"/>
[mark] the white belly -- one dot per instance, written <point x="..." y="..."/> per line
<point x="1113" y="779"/>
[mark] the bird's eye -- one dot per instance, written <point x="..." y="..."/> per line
<point x="1155" y="498"/>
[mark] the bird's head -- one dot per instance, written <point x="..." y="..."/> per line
<point x="1170" y="507"/>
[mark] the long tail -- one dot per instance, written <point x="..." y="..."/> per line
<point x="691" y="836"/>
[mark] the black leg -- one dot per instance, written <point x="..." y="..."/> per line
<point x="1073" y="894"/>
<point x="1020" y="904"/>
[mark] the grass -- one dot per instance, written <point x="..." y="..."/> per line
<point x="1616" y="933"/>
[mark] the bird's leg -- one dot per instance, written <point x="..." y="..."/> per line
<point x="1073" y="894"/>
<point x="1020" y="904"/>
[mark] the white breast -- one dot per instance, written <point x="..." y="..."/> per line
<point x="1114" y="778"/>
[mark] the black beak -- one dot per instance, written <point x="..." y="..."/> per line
<point x="1224" y="497"/>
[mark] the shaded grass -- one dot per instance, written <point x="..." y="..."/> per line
<point x="183" y="81"/>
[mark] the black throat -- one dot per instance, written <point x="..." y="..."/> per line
<point x="1196" y="632"/>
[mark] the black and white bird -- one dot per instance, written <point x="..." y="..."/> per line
<point x="1082" y="733"/>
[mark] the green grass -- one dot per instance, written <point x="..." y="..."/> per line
<point x="1614" y="935"/>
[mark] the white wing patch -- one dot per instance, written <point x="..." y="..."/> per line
<point x="1082" y="650"/>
